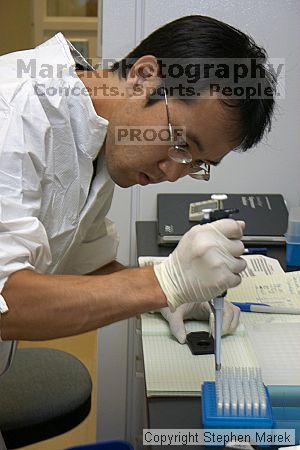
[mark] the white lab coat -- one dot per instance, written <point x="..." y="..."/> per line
<point x="52" y="215"/>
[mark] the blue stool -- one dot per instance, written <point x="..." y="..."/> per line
<point x="107" y="445"/>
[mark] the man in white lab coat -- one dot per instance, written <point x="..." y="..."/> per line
<point x="60" y="160"/>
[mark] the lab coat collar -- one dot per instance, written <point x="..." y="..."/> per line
<point x="97" y="124"/>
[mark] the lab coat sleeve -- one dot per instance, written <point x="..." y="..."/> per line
<point x="98" y="248"/>
<point x="23" y="239"/>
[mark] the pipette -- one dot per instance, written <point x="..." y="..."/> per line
<point x="217" y="306"/>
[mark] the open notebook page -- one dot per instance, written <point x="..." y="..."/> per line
<point x="171" y="369"/>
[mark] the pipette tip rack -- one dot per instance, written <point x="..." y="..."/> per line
<point x="238" y="398"/>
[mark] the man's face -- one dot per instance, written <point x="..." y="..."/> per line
<point x="207" y="123"/>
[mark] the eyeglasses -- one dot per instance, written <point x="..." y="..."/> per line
<point x="199" y="170"/>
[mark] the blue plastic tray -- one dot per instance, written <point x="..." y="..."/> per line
<point x="108" y="445"/>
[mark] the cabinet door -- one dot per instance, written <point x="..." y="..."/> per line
<point x="76" y="19"/>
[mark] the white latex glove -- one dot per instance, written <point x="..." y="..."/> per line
<point x="205" y="263"/>
<point x="199" y="311"/>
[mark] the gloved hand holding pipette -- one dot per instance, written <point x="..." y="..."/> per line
<point x="205" y="263"/>
<point x="199" y="311"/>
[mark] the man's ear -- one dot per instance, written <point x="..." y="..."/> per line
<point x="143" y="76"/>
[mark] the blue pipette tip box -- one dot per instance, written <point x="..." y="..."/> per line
<point x="211" y="419"/>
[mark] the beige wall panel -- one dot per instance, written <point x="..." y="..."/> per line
<point x="15" y="25"/>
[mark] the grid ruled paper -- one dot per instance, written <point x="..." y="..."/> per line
<point x="170" y="368"/>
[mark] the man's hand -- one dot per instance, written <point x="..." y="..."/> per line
<point x="199" y="311"/>
<point x="205" y="263"/>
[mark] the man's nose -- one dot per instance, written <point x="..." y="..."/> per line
<point x="172" y="169"/>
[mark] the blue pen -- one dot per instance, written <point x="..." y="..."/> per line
<point x="264" y="308"/>
<point x="255" y="251"/>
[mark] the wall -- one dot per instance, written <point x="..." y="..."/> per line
<point x="15" y="25"/>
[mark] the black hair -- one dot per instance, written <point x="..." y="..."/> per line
<point x="196" y="37"/>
